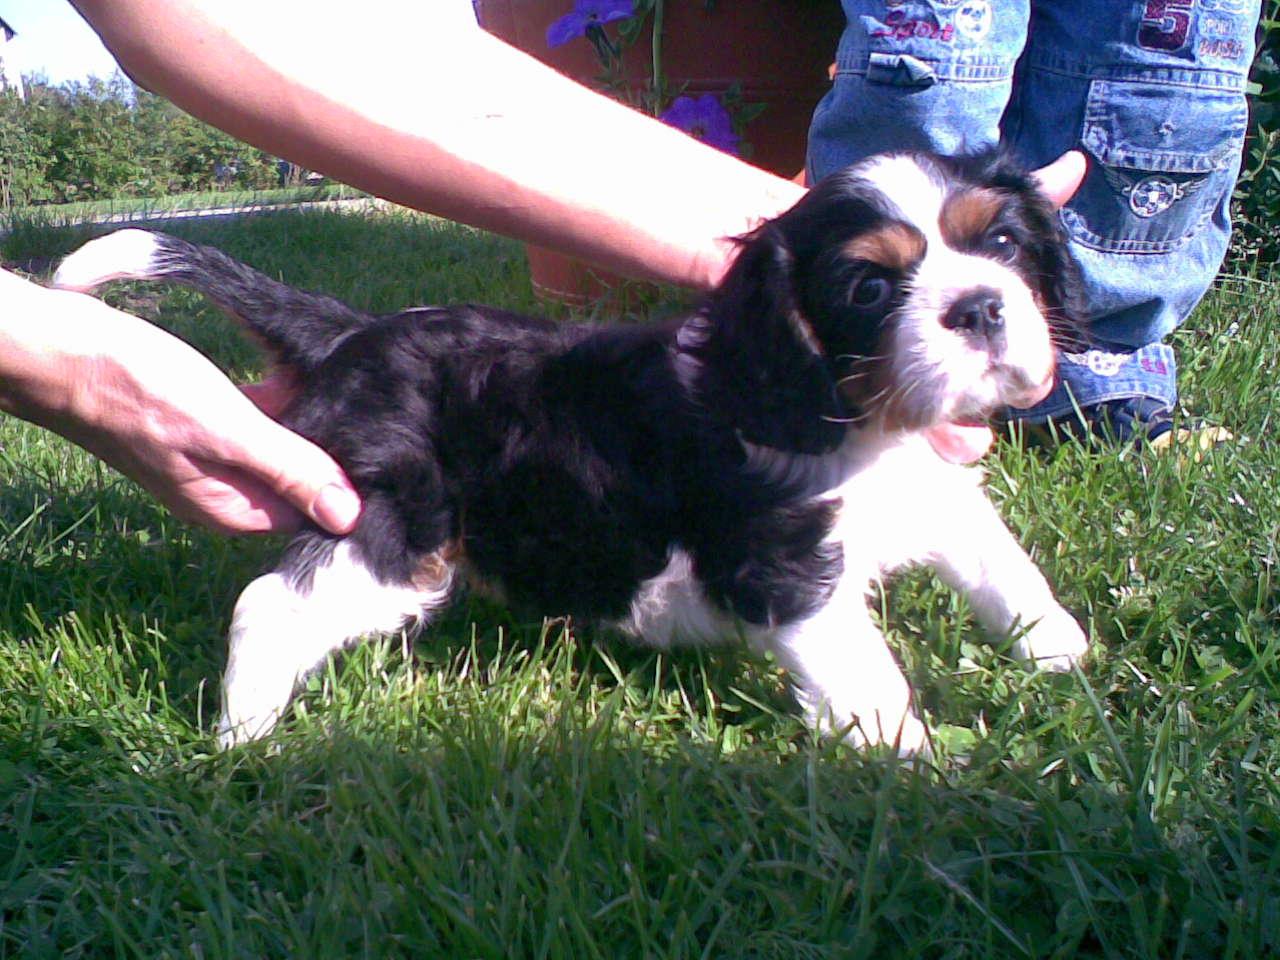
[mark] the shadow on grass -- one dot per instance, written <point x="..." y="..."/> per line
<point x="479" y="836"/>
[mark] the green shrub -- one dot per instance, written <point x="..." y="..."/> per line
<point x="1257" y="197"/>
<point x="24" y="152"/>
<point x="107" y="139"/>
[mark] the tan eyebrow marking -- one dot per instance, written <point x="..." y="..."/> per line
<point x="895" y="246"/>
<point x="967" y="215"/>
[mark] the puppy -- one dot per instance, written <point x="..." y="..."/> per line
<point x="751" y="470"/>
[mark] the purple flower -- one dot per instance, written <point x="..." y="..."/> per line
<point x="585" y="15"/>
<point x="704" y="118"/>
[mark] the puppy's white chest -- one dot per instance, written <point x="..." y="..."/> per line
<point x="900" y="507"/>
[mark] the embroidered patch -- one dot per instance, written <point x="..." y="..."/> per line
<point x="1099" y="362"/>
<point x="1214" y="25"/>
<point x="1154" y="365"/>
<point x="1221" y="37"/>
<point x="1165" y="25"/>
<point x="973" y="18"/>
<point x="1152" y="195"/>
<point x="1220" y="49"/>
<point x="898" y="27"/>
<point x="1228" y="6"/>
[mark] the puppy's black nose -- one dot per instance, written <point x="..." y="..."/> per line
<point x="979" y="311"/>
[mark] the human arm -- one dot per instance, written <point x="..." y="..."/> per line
<point x="414" y="104"/>
<point x="161" y="413"/>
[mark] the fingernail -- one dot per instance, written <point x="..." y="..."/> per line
<point x="337" y="508"/>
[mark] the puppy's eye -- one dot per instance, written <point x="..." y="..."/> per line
<point x="1000" y="245"/>
<point x="871" y="292"/>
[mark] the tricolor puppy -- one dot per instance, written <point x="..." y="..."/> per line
<point x="748" y="471"/>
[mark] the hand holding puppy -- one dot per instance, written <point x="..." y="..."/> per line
<point x="161" y="413"/>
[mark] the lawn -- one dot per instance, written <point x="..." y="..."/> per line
<point x="506" y="788"/>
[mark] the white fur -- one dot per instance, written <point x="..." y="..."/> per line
<point x="908" y="189"/>
<point x="281" y="632"/>
<point x="123" y="255"/>
<point x="672" y="608"/>
<point x="968" y="375"/>
<point x="903" y="505"/>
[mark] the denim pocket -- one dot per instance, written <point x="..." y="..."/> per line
<point x="1165" y="157"/>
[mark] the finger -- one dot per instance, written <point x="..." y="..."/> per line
<point x="299" y="472"/>
<point x="1060" y="179"/>
<point x="228" y="501"/>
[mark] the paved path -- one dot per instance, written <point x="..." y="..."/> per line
<point x="354" y="204"/>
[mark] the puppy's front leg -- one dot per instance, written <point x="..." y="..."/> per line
<point x="976" y="553"/>
<point x="844" y="673"/>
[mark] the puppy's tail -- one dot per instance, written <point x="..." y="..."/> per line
<point x="300" y="328"/>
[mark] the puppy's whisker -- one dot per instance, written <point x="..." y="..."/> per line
<point x="860" y="357"/>
<point x="855" y="376"/>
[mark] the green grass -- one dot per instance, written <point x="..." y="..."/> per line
<point x="501" y="788"/>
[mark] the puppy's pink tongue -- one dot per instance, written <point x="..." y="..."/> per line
<point x="957" y="443"/>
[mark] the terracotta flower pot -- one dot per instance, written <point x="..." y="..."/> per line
<point x="775" y="52"/>
<point x="558" y="276"/>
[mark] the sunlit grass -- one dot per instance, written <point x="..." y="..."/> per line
<point x="508" y="788"/>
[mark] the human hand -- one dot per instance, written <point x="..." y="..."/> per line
<point x="161" y="413"/>
<point x="1060" y="179"/>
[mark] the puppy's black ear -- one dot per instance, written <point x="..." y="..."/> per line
<point x="761" y="365"/>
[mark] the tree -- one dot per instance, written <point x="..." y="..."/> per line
<point x="24" y="153"/>
<point x="94" y="144"/>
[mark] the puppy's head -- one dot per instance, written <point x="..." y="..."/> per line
<point x="909" y="291"/>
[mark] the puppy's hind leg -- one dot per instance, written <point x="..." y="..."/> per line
<point x="286" y="622"/>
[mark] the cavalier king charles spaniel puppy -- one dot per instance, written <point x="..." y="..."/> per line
<point x="749" y="471"/>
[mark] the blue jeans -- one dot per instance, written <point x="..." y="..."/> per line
<point x="1152" y="90"/>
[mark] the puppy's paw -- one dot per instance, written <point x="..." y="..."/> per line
<point x="1055" y="642"/>
<point x="245" y="725"/>
<point x="906" y="733"/>
<point x="873" y="725"/>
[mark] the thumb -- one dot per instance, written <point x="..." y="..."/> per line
<point x="299" y="472"/>
<point x="1060" y="179"/>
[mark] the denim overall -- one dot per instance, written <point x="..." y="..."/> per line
<point x="1152" y="90"/>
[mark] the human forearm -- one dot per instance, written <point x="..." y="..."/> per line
<point x="36" y="374"/>
<point x="451" y="120"/>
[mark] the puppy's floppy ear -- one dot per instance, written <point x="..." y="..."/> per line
<point x="762" y="366"/>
